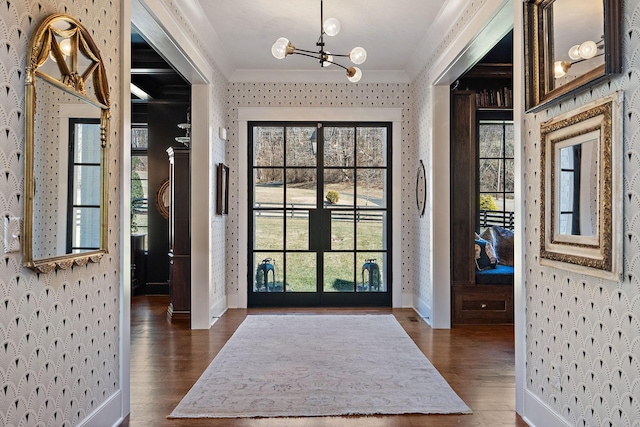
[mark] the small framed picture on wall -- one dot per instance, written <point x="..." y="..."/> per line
<point x="222" y="194"/>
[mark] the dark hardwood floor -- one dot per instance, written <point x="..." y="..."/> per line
<point x="167" y="358"/>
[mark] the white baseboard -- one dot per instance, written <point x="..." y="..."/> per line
<point x="107" y="414"/>
<point x="539" y="414"/>
<point x="423" y="309"/>
<point x="217" y="310"/>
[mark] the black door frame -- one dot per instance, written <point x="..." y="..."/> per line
<point x="320" y="298"/>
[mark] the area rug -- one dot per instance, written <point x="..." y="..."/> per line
<point x="319" y="365"/>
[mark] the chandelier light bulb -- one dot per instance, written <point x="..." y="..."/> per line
<point x="279" y="48"/>
<point x="65" y="46"/>
<point x="328" y="59"/>
<point x="588" y="49"/>
<point x="358" y="55"/>
<point x="574" y="52"/>
<point x="331" y="27"/>
<point x="560" y="68"/>
<point x="354" y="74"/>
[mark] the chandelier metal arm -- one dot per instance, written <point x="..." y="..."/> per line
<point x="315" y="55"/>
<point x="283" y="47"/>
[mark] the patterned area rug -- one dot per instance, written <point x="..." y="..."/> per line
<point x="319" y="365"/>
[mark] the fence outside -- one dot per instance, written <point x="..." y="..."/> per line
<point x="502" y="218"/>
<point x="301" y="210"/>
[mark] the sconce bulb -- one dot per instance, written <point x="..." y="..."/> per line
<point x="358" y="55"/>
<point x="354" y="74"/>
<point x="574" y="52"/>
<point x="331" y="27"/>
<point x="588" y="49"/>
<point x="560" y="68"/>
<point x="279" y="48"/>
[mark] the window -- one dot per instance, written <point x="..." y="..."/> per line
<point x="139" y="180"/>
<point x="83" y="220"/>
<point x="495" y="172"/>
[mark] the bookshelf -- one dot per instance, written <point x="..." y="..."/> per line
<point x="492" y="84"/>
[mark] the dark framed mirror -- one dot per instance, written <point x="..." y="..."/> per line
<point x="66" y="147"/>
<point x="569" y="45"/>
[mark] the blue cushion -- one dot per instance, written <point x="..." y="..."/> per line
<point x="485" y="255"/>
<point x="501" y="275"/>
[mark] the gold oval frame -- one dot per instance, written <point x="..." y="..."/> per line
<point x="161" y="196"/>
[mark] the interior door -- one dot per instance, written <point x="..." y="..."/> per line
<point x="319" y="214"/>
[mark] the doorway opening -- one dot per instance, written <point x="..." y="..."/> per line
<point x="160" y="101"/>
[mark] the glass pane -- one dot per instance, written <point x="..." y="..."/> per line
<point x="491" y="202"/>
<point x="508" y="176"/>
<point x="371" y="272"/>
<point x="370" y="188"/>
<point x="268" y="188"/>
<point x="86" y="181"/>
<point x="371" y="146"/>
<point x="301" y="188"/>
<point x="490" y="175"/>
<point x="508" y="140"/>
<point x="301" y="272"/>
<point x="338" y="272"/>
<point x="370" y="230"/>
<point x="491" y="137"/>
<point x="139" y="137"/>
<point x="297" y="237"/>
<point x="267" y="276"/>
<point x="301" y="146"/>
<point x="268" y="229"/>
<point x="268" y="146"/>
<point x="338" y="187"/>
<point x="85" y="228"/>
<point x="87" y="143"/>
<point x="565" y="223"/>
<point x="342" y="230"/>
<point x="139" y="194"/>
<point x="339" y="146"/>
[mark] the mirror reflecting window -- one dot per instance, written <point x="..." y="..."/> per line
<point x="581" y="189"/>
<point x="578" y="177"/>
<point x="67" y="115"/>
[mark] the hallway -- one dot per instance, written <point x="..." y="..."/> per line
<point x="167" y="358"/>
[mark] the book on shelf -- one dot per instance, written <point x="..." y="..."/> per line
<point x="497" y="98"/>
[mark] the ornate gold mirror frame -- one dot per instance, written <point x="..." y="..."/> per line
<point x="581" y="189"/>
<point x="63" y="60"/>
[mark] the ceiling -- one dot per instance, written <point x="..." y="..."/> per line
<point x="390" y="30"/>
<point x="153" y="77"/>
<point x="399" y="36"/>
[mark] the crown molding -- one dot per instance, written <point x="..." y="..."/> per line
<point x="316" y="76"/>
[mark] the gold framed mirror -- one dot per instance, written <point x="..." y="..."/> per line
<point x="569" y="45"/>
<point x="66" y="147"/>
<point x="581" y="189"/>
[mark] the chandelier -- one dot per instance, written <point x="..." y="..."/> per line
<point x="283" y="47"/>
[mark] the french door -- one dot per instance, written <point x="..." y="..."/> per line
<point x="318" y="214"/>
